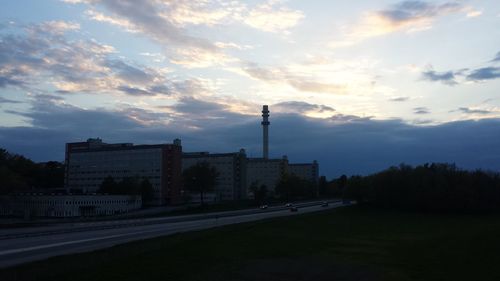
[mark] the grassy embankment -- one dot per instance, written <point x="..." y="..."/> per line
<point x="344" y="244"/>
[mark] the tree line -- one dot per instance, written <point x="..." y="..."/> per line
<point x="202" y="178"/>
<point x="433" y="187"/>
<point x="18" y="173"/>
<point x="429" y="187"/>
<point x="130" y="186"/>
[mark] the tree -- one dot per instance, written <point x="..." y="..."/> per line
<point x="322" y="186"/>
<point x="50" y="175"/>
<point x="254" y="188"/>
<point x="262" y="193"/>
<point x="18" y="173"/>
<point x="436" y="187"/>
<point x="129" y="185"/>
<point x="108" y="185"/>
<point x="259" y="192"/>
<point x="291" y="187"/>
<point x="147" y="192"/>
<point x="200" y="178"/>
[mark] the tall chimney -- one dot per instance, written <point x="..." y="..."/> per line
<point x="265" y="131"/>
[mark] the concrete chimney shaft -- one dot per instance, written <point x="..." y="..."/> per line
<point x="265" y="131"/>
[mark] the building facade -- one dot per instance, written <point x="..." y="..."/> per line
<point x="231" y="168"/>
<point x="306" y="171"/>
<point x="89" y="163"/>
<point x="266" y="172"/>
<point x="29" y="205"/>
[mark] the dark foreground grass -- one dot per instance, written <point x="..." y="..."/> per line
<point x="345" y="244"/>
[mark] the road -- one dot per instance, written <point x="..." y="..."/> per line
<point x="26" y="245"/>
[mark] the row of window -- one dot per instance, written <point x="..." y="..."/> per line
<point x="78" y="202"/>
<point x="113" y="171"/>
<point x="101" y="179"/>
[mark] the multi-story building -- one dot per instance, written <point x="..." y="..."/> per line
<point x="306" y="171"/>
<point x="266" y="172"/>
<point x="231" y="169"/>
<point x="89" y="163"/>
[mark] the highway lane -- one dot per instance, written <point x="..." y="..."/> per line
<point x="98" y="225"/>
<point x="30" y="248"/>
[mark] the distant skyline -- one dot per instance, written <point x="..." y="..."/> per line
<point x="356" y="85"/>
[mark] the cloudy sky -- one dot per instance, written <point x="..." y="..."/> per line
<point x="357" y="85"/>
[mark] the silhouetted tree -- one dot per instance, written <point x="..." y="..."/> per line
<point x="18" y="173"/>
<point x="260" y="192"/>
<point x="108" y="185"/>
<point x="322" y="186"/>
<point x="200" y="178"/>
<point x="434" y="187"/>
<point x="50" y="175"/>
<point x="147" y="191"/>
<point x="254" y="189"/>
<point x="129" y="185"/>
<point x="292" y="187"/>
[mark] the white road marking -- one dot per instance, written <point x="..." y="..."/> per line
<point x="69" y="243"/>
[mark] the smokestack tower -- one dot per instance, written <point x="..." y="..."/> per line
<point x="265" y="131"/>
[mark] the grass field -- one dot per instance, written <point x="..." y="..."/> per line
<point x="351" y="243"/>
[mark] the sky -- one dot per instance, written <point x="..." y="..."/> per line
<point x="357" y="85"/>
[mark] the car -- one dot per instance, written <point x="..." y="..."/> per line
<point x="293" y="209"/>
<point x="263" y="207"/>
<point x="288" y="205"/>
<point x="324" y="204"/>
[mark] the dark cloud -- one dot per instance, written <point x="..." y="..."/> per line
<point x="134" y="91"/>
<point x="422" y="121"/>
<point x="192" y="105"/>
<point x="343" y="144"/>
<point x="421" y="110"/>
<point x="29" y="57"/>
<point x="199" y="114"/>
<point x="4" y="100"/>
<point x="63" y="92"/>
<point x="21" y="49"/>
<point x="48" y="97"/>
<point x="47" y="114"/>
<point x="8" y="81"/>
<point x="129" y="73"/>
<point x="301" y="107"/>
<point x="36" y="55"/>
<point x="407" y="11"/>
<point x="160" y="89"/>
<point x="473" y="111"/>
<point x="485" y="73"/>
<point x="147" y="18"/>
<point x="342" y="118"/>
<point x="367" y="146"/>
<point x="447" y="77"/>
<point x="478" y="74"/>
<point x="399" y="99"/>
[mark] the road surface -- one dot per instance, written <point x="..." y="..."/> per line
<point x="26" y="245"/>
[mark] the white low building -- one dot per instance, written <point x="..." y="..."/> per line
<point x="43" y="205"/>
